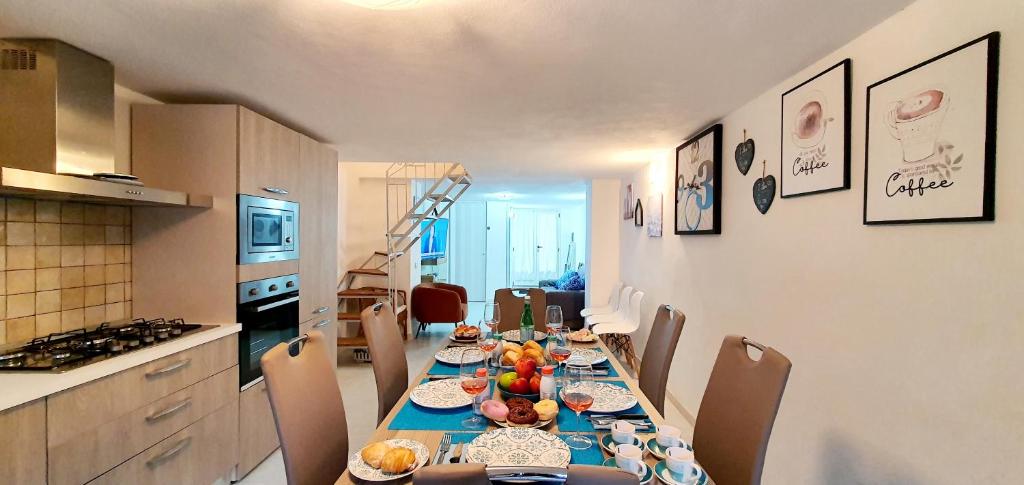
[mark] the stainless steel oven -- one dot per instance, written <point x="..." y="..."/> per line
<point x="268" y="230"/>
<point x="269" y="313"/>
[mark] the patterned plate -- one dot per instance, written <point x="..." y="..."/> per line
<point x="591" y="356"/>
<point x="519" y="447"/>
<point x="451" y="355"/>
<point x="513" y="335"/>
<point x="464" y="341"/>
<point x="659" y="451"/>
<point x="645" y="479"/>
<point x="574" y="337"/>
<point x="609" y="398"/>
<point x="669" y="477"/>
<point x="442" y="394"/>
<point x="360" y="469"/>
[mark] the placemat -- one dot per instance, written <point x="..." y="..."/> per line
<point x="414" y="417"/>
<point x="567" y="418"/>
<point x="589" y="456"/>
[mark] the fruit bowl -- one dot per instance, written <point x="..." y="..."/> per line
<point x="506" y="395"/>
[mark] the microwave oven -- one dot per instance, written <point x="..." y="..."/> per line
<point x="268" y="230"/>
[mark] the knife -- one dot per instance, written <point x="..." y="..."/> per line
<point x="451" y="452"/>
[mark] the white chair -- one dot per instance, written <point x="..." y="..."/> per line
<point x="618" y="331"/>
<point x="621" y="311"/>
<point x="613" y="303"/>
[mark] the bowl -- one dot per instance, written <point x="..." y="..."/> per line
<point x="506" y="395"/>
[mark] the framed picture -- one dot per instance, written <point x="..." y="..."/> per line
<point x="627" y="203"/>
<point x="654" y="204"/>
<point x="698" y="184"/>
<point x="638" y="214"/>
<point x="931" y="139"/>
<point x="815" y="140"/>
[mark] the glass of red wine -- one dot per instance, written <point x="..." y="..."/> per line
<point x="578" y="395"/>
<point x="473" y="379"/>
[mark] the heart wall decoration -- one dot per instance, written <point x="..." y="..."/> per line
<point x="764" y="190"/>
<point x="745" y="154"/>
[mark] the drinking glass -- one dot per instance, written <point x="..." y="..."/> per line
<point x="559" y="350"/>
<point x="492" y="315"/>
<point x="473" y="379"/>
<point x="553" y="315"/>
<point x="578" y="395"/>
<point x="488" y="345"/>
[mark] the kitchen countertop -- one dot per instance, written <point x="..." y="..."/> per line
<point x="17" y="388"/>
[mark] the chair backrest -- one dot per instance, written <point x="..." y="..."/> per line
<point x="730" y="435"/>
<point x="613" y="297"/>
<point x="308" y="410"/>
<point x="599" y="475"/>
<point x="661" y="346"/>
<point x="622" y="305"/>
<point x="462" y="474"/>
<point x="633" y="312"/>
<point x="511" y="308"/>
<point x="387" y="356"/>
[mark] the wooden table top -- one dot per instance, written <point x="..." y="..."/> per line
<point x="432" y="438"/>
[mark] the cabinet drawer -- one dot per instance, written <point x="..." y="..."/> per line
<point x="74" y="411"/>
<point x="97" y="450"/>
<point x="256" y="430"/>
<point x="199" y="454"/>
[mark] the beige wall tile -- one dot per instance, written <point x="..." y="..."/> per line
<point x="127" y="272"/>
<point x="21" y="305"/>
<point x="47" y="211"/>
<point x="3" y="209"/>
<point x="93" y="214"/>
<point x="21" y="329"/>
<point x="95" y="275"/>
<point x="114" y="273"/>
<point x="21" y="233"/>
<point x="47" y="301"/>
<point x="127" y="291"/>
<point x="95" y="315"/>
<point x="114" y="254"/>
<point x="72" y="255"/>
<point x="3" y="307"/>
<point x="3" y="258"/>
<point x="71" y="298"/>
<point x="72" y="319"/>
<point x="128" y="310"/>
<point x="115" y="293"/>
<point x="71" y="213"/>
<point x="94" y="234"/>
<point x="114" y="234"/>
<point x="72" y="234"/>
<point x="71" y="277"/>
<point x="48" y="279"/>
<point x="95" y="295"/>
<point x="128" y="253"/>
<point x="3" y="332"/>
<point x="115" y="311"/>
<point x="21" y="281"/>
<point x="21" y="257"/>
<point x="114" y="215"/>
<point x="3" y="281"/>
<point x="3" y="233"/>
<point x="47" y="323"/>
<point x="95" y="254"/>
<point x="47" y="234"/>
<point x="47" y="256"/>
<point x="22" y="210"/>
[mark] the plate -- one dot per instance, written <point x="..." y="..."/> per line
<point x="593" y="356"/>
<point x="467" y="341"/>
<point x="648" y="474"/>
<point x="659" y="451"/>
<point x="360" y="469"/>
<point x="591" y="339"/>
<point x="518" y="447"/>
<point x="609" y="398"/>
<point x="669" y="477"/>
<point x="539" y="424"/>
<point x="607" y="442"/>
<point x="451" y="355"/>
<point x="442" y="394"/>
<point x="513" y="335"/>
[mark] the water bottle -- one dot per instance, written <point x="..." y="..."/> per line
<point x="526" y="322"/>
<point x="547" y="382"/>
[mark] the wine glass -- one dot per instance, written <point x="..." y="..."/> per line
<point x="473" y="380"/>
<point x="553" y="315"/>
<point x="578" y="395"/>
<point x="492" y="315"/>
<point x="488" y="345"/>
<point x="560" y="351"/>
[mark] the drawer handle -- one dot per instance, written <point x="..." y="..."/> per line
<point x="276" y="190"/>
<point x="322" y="323"/>
<point x="171" y="368"/>
<point x="167" y="455"/>
<point x="320" y="310"/>
<point x="169" y="410"/>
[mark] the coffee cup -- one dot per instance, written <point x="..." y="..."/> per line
<point x="916" y="121"/>
<point x="680" y="460"/>
<point x="668" y="436"/>
<point x="623" y="432"/>
<point x="630" y="458"/>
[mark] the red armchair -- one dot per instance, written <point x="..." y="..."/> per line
<point x="438" y="303"/>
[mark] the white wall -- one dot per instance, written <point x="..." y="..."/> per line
<point x="603" y="220"/>
<point x="906" y="341"/>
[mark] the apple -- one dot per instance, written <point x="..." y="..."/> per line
<point x="535" y="384"/>
<point x="506" y="379"/>
<point x="520" y="386"/>
<point x="525" y="368"/>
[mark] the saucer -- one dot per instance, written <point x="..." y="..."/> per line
<point x="659" y="451"/>
<point x="669" y="477"/>
<point x="607" y="442"/>
<point x="648" y="474"/>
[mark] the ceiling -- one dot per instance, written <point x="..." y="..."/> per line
<point x="516" y="90"/>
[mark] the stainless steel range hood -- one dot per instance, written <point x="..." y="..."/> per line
<point x="57" y="117"/>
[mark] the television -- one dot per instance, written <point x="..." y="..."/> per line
<point x="433" y="239"/>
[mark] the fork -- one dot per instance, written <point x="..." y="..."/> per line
<point x="442" y="449"/>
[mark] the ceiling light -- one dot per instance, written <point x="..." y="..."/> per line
<point x="386" y="4"/>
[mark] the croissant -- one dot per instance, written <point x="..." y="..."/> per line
<point x="373" y="454"/>
<point x="398" y="460"/>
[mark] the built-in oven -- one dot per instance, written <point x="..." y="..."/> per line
<point x="269" y="313"/>
<point x="268" y="230"/>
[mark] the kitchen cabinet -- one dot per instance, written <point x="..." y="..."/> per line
<point x="318" y="229"/>
<point x="328" y="325"/>
<point x="23" y="447"/>
<point x="257" y="433"/>
<point x="268" y="157"/>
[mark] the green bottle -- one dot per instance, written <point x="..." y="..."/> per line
<point x="526" y="323"/>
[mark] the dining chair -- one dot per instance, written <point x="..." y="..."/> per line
<point x="657" y="360"/>
<point x="736" y="415"/>
<point x="438" y="303"/>
<point x="511" y="307"/>
<point x="619" y="313"/>
<point x="308" y="411"/>
<point x="387" y="356"/>
<point x="599" y="475"/>
<point x="461" y="473"/>
<point x="610" y="307"/>
<point x="617" y="334"/>
<point x="477" y="474"/>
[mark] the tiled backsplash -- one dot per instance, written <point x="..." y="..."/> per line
<point x="65" y="265"/>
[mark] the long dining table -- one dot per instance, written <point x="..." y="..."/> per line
<point x="432" y="438"/>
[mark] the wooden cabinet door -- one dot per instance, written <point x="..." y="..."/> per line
<point x="310" y="231"/>
<point x="327" y="325"/>
<point x="257" y="433"/>
<point x="329" y="229"/>
<point x="23" y="449"/>
<point x="268" y="158"/>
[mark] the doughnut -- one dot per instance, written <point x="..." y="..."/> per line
<point x="546" y="409"/>
<point x="495" y="410"/>
<point x="518" y="402"/>
<point x="522" y="416"/>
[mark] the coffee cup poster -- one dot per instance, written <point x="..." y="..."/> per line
<point x="930" y="153"/>
<point x="815" y="141"/>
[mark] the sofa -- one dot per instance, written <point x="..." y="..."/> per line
<point x="571" y="301"/>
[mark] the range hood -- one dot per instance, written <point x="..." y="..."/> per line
<point x="57" y="118"/>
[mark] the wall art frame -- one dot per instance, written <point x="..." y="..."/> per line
<point x="698" y="184"/>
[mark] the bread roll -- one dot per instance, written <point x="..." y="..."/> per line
<point x="373" y="454"/>
<point x="398" y="460"/>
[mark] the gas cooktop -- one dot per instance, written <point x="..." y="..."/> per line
<point x="60" y="352"/>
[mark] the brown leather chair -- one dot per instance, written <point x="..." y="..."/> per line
<point x="476" y="474"/>
<point x="387" y="356"/>
<point x="661" y="346"/>
<point x="511" y="308"/>
<point x="438" y="303"/>
<point x="308" y="410"/>
<point x="599" y="475"/>
<point x="730" y="435"/>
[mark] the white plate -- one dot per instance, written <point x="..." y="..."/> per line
<point x="592" y="356"/>
<point x="519" y="447"/>
<point x="442" y="394"/>
<point x="592" y="338"/>
<point x="360" y="469"/>
<point x="513" y="335"/>
<point x="609" y="398"/>
<point x="451" y="337"/>
<point x="451" y="355"/>
<point x="607" y="442"/>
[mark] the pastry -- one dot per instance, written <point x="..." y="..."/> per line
<point x="510" y="357"/>
<point x="534" y="355"/>
<point x="514" y="347"/>
<point x="582" y="335"/>
<point x="518" y="402"/>
<point x="495" y="410"/>
<point x="398" y="460"/>
<point x="373" y="454"/>
<point x="466" y="332"/>
<point x="530" y="344"/>
<point x="522" y="416"/>
<point x="546" y="409"/>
